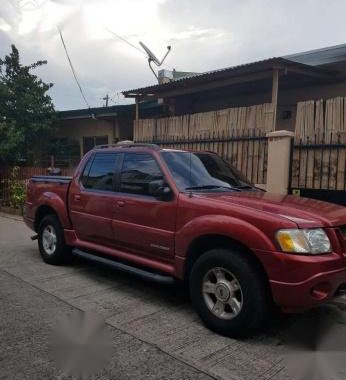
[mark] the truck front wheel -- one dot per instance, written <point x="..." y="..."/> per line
<point x="228" y="292"/>
<point x="51" y="241"/>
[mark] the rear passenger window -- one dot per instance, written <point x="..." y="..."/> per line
<point x="101" y="172"/>
<point x="138" y="170"/>
<point x="84" y="176"/>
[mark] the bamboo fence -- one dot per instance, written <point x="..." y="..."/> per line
<point x="236" y="134"/>
<point x="319" y="155"/>
<point x="230" y="121"/>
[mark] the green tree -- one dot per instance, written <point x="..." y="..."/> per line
<point x="26" y="112"/>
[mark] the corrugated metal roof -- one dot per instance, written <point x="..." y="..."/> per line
<point x="319" y="57"/>
<point x="116" y="110"/>
<point x="228" y="72"/>
<point x="86" y="112"/>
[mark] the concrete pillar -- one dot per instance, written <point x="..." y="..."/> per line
<point x="137" y="109"/>
<point x="81" y="140"/>
<point x="116" y="130"/>
<point x="275" y="89"/>
<point x="279" y="155"/>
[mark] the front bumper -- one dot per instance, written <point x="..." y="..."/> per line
<point x="299" y="282"/>
<point x="294" y="297"/>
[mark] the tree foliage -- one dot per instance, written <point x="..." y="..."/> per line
<point x="26" y="111"/>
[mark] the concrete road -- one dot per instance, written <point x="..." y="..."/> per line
<point x="153" y="331"/>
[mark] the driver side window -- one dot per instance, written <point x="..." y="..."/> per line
<point x="138" y="170"/>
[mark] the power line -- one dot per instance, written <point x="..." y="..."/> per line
<point x="124" y="40"/>
<point x="74" y="72"/>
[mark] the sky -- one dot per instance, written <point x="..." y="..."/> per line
<point x="204" y="35"/>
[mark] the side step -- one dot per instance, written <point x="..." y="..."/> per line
<point x="161" y="278"/>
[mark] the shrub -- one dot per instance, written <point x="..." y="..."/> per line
<point x="16" y="189"/>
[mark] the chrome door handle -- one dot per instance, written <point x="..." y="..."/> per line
<point x="76" y="197"/>
<point x="121" y="203"/>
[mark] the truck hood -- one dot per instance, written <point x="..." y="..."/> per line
<point x="305" y="212"/>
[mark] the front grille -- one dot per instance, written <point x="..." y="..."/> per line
<point x="343" y="231"/>
<point x="343" y="236"/>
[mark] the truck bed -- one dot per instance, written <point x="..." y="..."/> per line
<point x="51" y="178"/>
<point x="48" y="191"/>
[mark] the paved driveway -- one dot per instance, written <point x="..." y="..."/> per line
<point x="154" y="332"/>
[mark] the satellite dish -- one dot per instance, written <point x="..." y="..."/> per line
<point x="151" y="55"/>
<point x="153" y="58"/>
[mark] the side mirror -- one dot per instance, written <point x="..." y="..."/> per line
<point x="160" y="189"/>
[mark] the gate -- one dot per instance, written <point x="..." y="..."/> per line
<point x="318" y="169"/>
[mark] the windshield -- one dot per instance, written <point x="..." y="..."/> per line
<point x="221" y="169"/>
<point x="202" y="171"/>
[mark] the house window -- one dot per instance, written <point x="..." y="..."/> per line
<point x="90" y="141"/>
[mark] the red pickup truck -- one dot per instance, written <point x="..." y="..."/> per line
<point x="178" y="215"/>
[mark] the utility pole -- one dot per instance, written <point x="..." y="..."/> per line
<point x="106" y="98"/>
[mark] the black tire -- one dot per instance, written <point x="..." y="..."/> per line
<point x="252" y="295"/>
<point x="57" y="253"/>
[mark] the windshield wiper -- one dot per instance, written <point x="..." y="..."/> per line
<point x="244" y="187"/>
<point x="210" y="187"/>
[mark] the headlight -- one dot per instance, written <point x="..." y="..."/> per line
<point x="313" y="241"/>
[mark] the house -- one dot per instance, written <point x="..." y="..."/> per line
<point x="282" y="81"/>
<point x="285" y="81"/>
<point x="233" y="111"/>
<point x="80" y="130"/>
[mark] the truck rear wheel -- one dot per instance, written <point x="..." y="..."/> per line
<point x="51" y="242"/>
<point x="228" y="292"/>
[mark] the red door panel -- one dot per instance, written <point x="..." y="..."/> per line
<point x="145" y="225"/>
<point x="92" y="217"/>
<point x="91" y="199"/>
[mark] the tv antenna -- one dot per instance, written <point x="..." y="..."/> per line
<point x="153" y="58"/>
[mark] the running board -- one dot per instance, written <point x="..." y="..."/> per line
<point x="161" y="278"/>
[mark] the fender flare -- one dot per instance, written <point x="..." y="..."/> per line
<point x="53" y="201"/>
<point x="233" y="228"/>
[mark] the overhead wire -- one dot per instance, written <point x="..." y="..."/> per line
<point x="124" y="40"/>
<point x="74" y="73"/>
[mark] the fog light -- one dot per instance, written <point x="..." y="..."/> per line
<point x="320" y="291"/>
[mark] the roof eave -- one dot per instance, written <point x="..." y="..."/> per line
<point x="228" y="76"/>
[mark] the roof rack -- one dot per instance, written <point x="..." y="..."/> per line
<point x="127" y="145"/>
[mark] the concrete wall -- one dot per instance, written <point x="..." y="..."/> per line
<point x="76" y="129"/>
